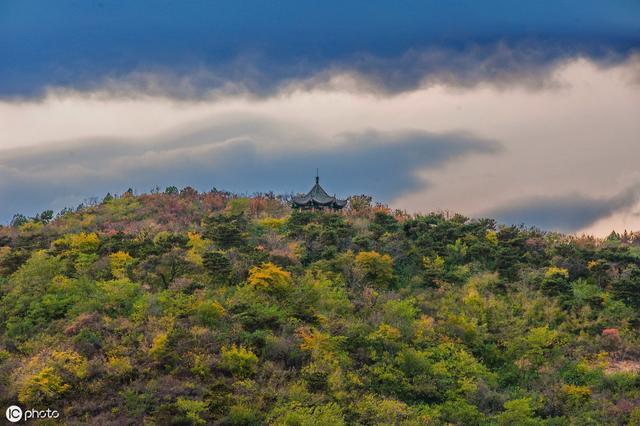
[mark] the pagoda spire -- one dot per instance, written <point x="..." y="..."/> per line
<point x="317" y="176"/>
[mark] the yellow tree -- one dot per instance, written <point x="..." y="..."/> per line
<point x="374" y="268"/>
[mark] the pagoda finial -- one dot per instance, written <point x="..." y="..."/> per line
<point x="317" y="176"/>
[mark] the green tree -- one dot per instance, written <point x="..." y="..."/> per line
<point x="627" y="287"/>
<point x="171" y="190"/>
<point x="18" y="220"/>
<point x="556" y="281"/>
<point x="218" y="265"/>
<point x="226" y="231"/>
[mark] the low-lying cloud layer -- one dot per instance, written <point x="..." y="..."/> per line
<point x="568" y="213"/>
<point x="239" y="154"/>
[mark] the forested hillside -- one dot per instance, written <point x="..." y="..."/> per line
<point x="188" y="308"/>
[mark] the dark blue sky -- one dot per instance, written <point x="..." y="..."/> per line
<point x="79" y="44"/>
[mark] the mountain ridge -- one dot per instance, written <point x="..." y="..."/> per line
<point x="211" y="308"/>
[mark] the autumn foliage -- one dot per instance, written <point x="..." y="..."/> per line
<point x="212" y="308"/>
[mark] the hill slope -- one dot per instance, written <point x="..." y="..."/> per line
<point x="187" y="308"/>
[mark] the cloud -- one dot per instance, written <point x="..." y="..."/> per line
<point x="198" y="49"/>
<point x="568" y="213"/>
<point x="240" y="154"/>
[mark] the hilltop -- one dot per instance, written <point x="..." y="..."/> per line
<point x="211" y="308"/>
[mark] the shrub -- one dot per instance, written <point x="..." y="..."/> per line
<point x="118" y="296"/>
<point x="208" y="312"/>
<point x="518" y="412"/>
<point x="373" y="410"/>
<point x="240" y="415"/>
<point x="159" y="346"/>
<point x="45" y="385"/>
<point x="55" y="376"/>
<point x="239" y="361"/>
<point x="297" y="415"/>
<point x="119" y="366"/>
<point x="192" y="409"/>
<point x="400" y="313"/>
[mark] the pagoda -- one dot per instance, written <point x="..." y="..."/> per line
<point x="317" y="198"/>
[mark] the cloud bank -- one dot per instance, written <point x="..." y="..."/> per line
<point x="197" y="49"/>
<point x="238" y="154"/>
<point x="568" y="213"/>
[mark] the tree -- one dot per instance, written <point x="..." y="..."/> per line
<point x="374" y="268"/>
<point x="269" y="278"/>
<point x="12" y="260"/>
<point x="226" y="231"/>
<point x="120" y="262"/>
<point x="108" y="310"/>
<point x="18" y="220"/>
<point x="556" y="281"/>
<point x="44" y="217"/>
<point x="188" y="192"/>
<point x="360" y="203"/>
<point x="382" y="223"/>
<point x="511" y="250"/>
<point x="218" y="265"/>
<point x="434" y="268"/>
<point x="171" y="190"/>
<point x="627" y="287"/>
<point x="163" y="269"/>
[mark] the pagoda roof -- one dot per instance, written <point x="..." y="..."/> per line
<point x="318" y="197"/>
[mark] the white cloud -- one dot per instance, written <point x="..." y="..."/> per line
<point x="579" y="135"/>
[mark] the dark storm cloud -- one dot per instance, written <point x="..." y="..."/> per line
<point x="240" y="155"/>
<point x="187" y="49"/>
<point x="567" y="213"/>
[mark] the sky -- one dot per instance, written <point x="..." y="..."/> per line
<point x="522" y="111"/>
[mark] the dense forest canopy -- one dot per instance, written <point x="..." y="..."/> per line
<point x="211" y="308"/>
